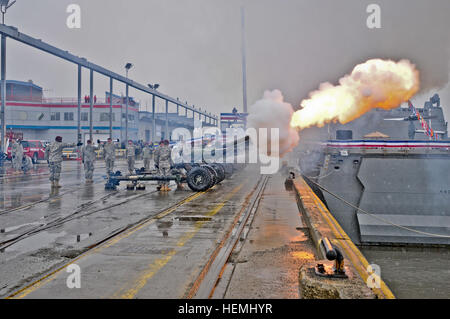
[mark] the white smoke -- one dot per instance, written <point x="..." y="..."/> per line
<point x="272" y="112"/>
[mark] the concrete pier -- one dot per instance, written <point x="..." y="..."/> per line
<point x="146" y="244"/>
<point x="321" y="224"/>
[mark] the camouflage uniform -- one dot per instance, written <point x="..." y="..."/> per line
<point x="88" y="156"/>
<point x="163" y="160"/>
<point x="109" y="153"/>
<point x="147" y="155"/>
<point x="27" y="163"/>
<point x="53" y="153"/>
<point x="131" y="155"/>
<point x="16" y="155"/>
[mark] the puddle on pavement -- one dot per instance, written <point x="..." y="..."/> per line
<point x="12" y="228"/>
<point x="18" y="199"/>
<point x="194" y="218"/>
<point x="164" y="226"/>
<point x="73" y="239"/>
<point x="35" y="242"/>
<point x="302" y="255"/>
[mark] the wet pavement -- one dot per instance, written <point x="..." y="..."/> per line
<point x="276" y="247"/>
<point x="40" y="229"/>
<point x="165" y="240"/>
<point x="17" y="190"/>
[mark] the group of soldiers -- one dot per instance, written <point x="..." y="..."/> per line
<point x="162" y="159"/>
<point x="20" y="161"/>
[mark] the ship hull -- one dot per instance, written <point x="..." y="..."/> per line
<point x="389" y="198"/>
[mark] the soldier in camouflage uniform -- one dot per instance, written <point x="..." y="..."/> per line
<point x="16" y="156"/>
<point x="163" y="159"/>
<point x="27" y="164"/>
<point x="53" y="154"/>
<point x="109" y="153"/>
<point x="147" y="153"/>
<point x="88" y="156"/>
<point x="131" y="156"/>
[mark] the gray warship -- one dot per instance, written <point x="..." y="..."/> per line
<point x="382" y="177"/>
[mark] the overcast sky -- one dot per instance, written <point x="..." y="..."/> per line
<point x="192" y="47"/>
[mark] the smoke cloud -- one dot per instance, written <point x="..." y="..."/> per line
<point x="272" y="112"/>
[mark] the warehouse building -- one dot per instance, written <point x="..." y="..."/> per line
<point x="36" y="117"/>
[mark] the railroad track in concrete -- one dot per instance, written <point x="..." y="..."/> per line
<point x="50" y="197"/>
<point x="113" y="237"/>
<point x="18" y="176"/>
<point x="242" y="221"/>
<point x="78" y="213"/>
<point x="46" y="199"/>
<point x="211" y="275"/>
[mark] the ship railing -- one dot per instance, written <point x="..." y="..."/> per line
<point x="388" y="150"/>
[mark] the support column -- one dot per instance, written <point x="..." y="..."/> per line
<point x="3" y="76"/>
<point x="110" y="107"/>
<point x="153" y="120"/>
<point x="91" y="105"/>
<point x="79" y="106"/>
<point x="126" y="115"/>
<point x="166" y="133"/>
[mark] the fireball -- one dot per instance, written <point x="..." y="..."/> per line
<point x="374" y="84"/>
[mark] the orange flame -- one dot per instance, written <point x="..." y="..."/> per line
<point x="374" y="84"/>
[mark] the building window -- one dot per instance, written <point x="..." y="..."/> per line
<point x="104" y="117"/>
<point x="84" y="116"/>
<point x="68" y="116"/>
<point x="130" y="117"/>
<point x="54" y="116"/>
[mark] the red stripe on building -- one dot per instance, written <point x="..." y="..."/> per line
<point x="99" y="106"/>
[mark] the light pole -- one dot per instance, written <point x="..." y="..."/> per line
<point x="128" y="66"/>
<point x="153" y="87"/>
<point x="5" y="5"/>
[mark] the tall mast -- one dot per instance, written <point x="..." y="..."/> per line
<point x="244" y="62"/>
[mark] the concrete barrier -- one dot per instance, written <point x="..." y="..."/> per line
<point x="322" y="224"/>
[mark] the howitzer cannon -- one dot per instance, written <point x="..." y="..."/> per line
<point x="199" y="177"/>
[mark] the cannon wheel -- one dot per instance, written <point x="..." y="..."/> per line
<point x="215" y="177"/>
<point x="228" y="168"/>
<point x="219" y="170"/>
<point x="199" y="179"/>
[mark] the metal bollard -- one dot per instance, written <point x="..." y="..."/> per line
<point x="331" y="253"/>
<point x="289" y="182"/>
